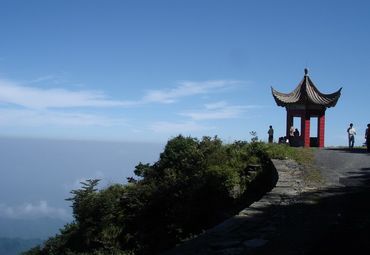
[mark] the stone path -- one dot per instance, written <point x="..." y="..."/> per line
<point x="297" y="216"/>
<point x="251" y="228"/>
<point x="341" y="167"/>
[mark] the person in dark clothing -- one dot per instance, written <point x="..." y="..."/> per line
<point x="271" y="134"/>
<point x="296" y="137"/>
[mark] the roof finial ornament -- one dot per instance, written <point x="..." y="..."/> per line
<point x="305" y="72"/>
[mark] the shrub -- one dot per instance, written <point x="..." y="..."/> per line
<point x="194" y="184"/>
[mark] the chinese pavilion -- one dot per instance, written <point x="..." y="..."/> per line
<point x="306" y="101"/>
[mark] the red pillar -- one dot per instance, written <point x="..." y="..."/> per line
<point x="302" y="138"/>
<point x="321" y="130"/>
<point x="306" y="131"/>
<point x="289" y="122"/>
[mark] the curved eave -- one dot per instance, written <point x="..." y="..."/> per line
<point x="327" y="100"/>
<point x="309" y="95"/>
<point x="314" y="96"/>
<point x="283" y="99"/>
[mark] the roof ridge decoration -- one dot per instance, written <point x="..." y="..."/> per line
<point x="306" y="93"/>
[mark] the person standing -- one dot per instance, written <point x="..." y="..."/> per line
<point x="271" y="134"/>
<point x="291" y="135"/>
<point x="351" y="136"/>
<point x="367" y="137"/>
<point x="296" y="137"/>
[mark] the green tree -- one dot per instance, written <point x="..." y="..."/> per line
<point x="194" y="185"/>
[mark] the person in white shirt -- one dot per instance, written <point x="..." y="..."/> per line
<point x="351" y="136"/>
<point x="291" y="135"/>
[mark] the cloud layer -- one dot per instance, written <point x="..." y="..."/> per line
<point x="218" y="111"/>
<point x="33" y="211"/>
<point x="37" y="118"/>
<point x="36" y="98"/>
<point x="25" y="106"/>
<point x="185" y="127"/>
<point x="185" y="89"/>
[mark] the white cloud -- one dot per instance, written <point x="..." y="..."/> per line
<point x="177" y="127"/>
<point x="217" y="111"/>
<point x="28" y="106"/>
<point x="32" y="211"/>
<point x="43" y="78"/>
<point x="37" y="118"/>
<point x="34" y="107"/>
<point x="184" y="89"/>
<point x="36" y="98"/>
<point x="12" y="93"/>
<point x="215" y="105"/>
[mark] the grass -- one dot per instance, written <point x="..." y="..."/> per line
<point x="304" y="156"/>
<point x="282" y="151"/>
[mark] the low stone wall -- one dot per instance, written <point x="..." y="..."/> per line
<point x="251" y="227"/>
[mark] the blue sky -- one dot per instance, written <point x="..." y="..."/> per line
<point x="149" y="70"/>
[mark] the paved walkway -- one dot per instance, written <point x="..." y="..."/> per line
<point x="341" y="167"/>
<point x="300" y="216"/>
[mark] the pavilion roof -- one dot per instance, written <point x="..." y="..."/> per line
<point x="306" y="93"/>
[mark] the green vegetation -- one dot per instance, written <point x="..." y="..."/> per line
<point x="304" y="156"/>
<point x="282" y="151"/>
<point x="194" y="185"/>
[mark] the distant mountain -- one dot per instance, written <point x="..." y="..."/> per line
<point x="14" y="246"/>
<point x="40" y="228"/>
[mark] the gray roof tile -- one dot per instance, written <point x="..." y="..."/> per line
<point x="306" y="93"/>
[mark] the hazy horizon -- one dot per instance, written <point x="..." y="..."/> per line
<point x="38" y="174"/>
